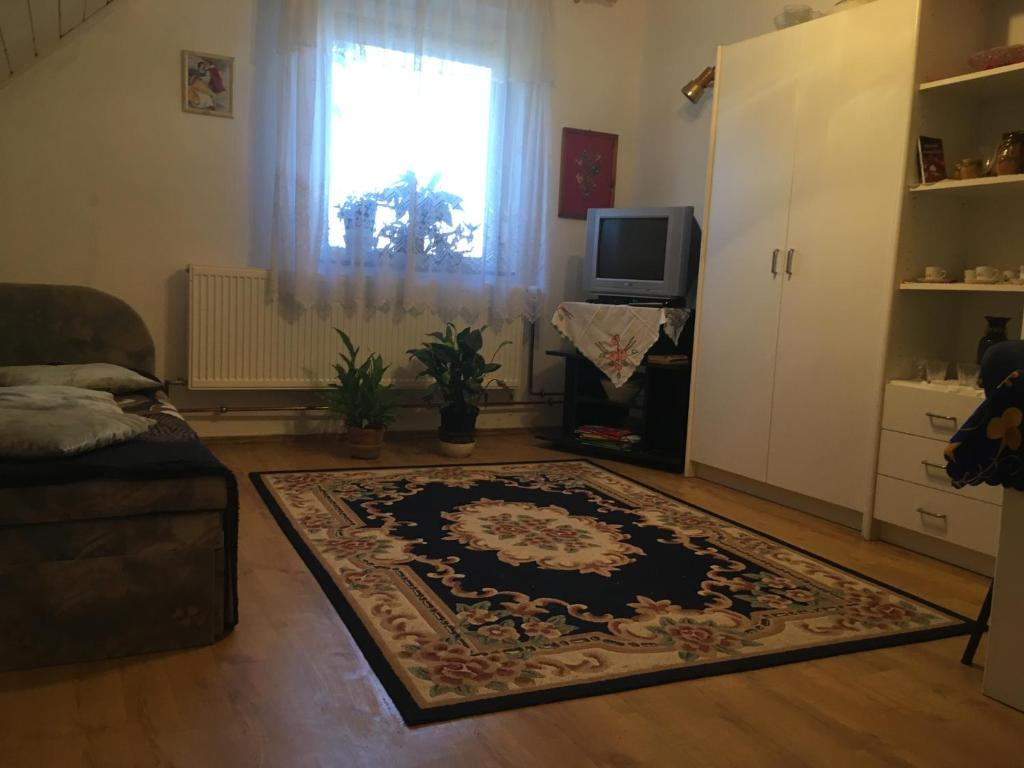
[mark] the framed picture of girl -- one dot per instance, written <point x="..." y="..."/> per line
<point x="207" y="84"/>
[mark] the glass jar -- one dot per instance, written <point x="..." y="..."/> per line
<point x="1009" y="154"/>
<point x="969" y="168"/>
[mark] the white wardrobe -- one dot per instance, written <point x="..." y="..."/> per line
<point x="809" y="163"/>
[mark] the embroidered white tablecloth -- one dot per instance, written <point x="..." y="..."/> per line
<point x="615" y="337"/>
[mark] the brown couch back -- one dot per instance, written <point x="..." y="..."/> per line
<point x="42" y="324"/>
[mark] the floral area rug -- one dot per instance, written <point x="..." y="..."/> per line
<point x="478" y="588"/>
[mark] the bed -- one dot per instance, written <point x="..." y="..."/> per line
<point x="126" y="549"/>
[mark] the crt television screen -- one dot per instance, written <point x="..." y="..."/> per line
<point x="632" y="249"/>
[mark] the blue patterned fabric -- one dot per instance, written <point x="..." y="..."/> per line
<point x="988" y="448"/>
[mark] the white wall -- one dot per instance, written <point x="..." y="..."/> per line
<point x="105" y="182"/>
<point x="680" y="39"/>
<point x="597" y="72"/>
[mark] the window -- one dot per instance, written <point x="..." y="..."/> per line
<point x="394" y="113"/>
<point x="411" y="153"/>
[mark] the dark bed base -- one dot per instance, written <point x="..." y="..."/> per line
<point x="98" y="589"/>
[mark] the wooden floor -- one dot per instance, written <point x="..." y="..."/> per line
<point x="289" y="688"/>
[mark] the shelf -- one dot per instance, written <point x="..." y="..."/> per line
<point x="667" y="366"/>
<point x="951" y="387"/>
<point x="650" y="457"/>
<point x="963" y="287"/>
<point x="985" y="187"/>
<point x="604" y="401"/>
<point x="988" y="84"/>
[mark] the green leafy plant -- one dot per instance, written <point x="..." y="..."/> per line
<point x="453" y="360"/>
<point x="422" y="212"/>
<point x="360" y="396"/>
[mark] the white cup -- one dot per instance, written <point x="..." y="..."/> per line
<point x="934" y="273"/>
<point x="970" y="276"/>
<point x="988" y="274"/>
<point x="1009" y="274"/>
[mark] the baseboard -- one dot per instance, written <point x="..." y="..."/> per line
<point x="849" y="518"/>
<point x="410" y="437"/>
<point x="931" y="547"/>
<point x="244" y="424"/>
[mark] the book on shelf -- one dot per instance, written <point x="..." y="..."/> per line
<point x="612" y="437"/>
<point x="931" y="160"/>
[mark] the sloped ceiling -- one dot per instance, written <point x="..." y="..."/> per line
<point x="30" y="29"/>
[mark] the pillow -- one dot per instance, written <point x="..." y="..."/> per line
<point x="48" y="422"/>
<point x="40" y="397"/>
<point x="112" y="378"/>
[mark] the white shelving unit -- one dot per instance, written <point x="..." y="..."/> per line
<point x="955" y="225"/>
<point x="991" y="186"/>
<point x="1003" y="81"/>
<point x="910" y="285"/>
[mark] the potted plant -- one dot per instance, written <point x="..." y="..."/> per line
<point x="454" y="362"/>
<point x="360" y="397"/>
<point x="359" y="215"/>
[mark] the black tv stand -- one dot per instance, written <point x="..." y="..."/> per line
<point x="677" y="302"/>
<point x="658" y="413"/>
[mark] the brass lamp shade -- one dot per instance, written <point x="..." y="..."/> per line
<point x="696" y="87"/>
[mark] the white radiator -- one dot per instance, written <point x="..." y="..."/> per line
<point x="238" y="339"/>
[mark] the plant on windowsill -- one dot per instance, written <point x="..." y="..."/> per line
<point x="362" y="399"/>
<point x="454" y="362"/>
<point x="359" y="215"/>
<point x="421" y="211"/>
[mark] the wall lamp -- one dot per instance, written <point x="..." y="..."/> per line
<point x="696" y="87"/>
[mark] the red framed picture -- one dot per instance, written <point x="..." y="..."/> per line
<point x="588" y="172"/>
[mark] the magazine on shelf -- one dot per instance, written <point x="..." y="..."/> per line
<point x="931" y="159"/>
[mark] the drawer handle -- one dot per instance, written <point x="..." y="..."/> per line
<point x="932" y="465"/>
<point x="935" y="515"/>
<point x="939" y="416"/>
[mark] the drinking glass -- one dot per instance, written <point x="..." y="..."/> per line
<point x="967" y="374"/>
<point x="935" y="370"/>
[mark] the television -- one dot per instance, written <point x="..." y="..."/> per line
<point x="642" y="252"/>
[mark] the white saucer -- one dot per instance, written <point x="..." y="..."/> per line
<point x="982" y="281"/>
<point x="933" y="280"/>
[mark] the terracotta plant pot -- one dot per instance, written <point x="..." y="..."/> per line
<point x="365" y="443"/>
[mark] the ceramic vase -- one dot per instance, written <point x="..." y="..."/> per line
<point x="995" y="332"/>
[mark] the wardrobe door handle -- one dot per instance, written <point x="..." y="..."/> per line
<point x="789" y="261"/>
<point x="775" y="262"/>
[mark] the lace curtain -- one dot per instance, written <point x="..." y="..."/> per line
<point x="412" y="153"/>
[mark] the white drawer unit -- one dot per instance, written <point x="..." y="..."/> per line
<point x="941" y="515"/>
<point x="920" y="460"/>
<point x="917" y="409"/>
